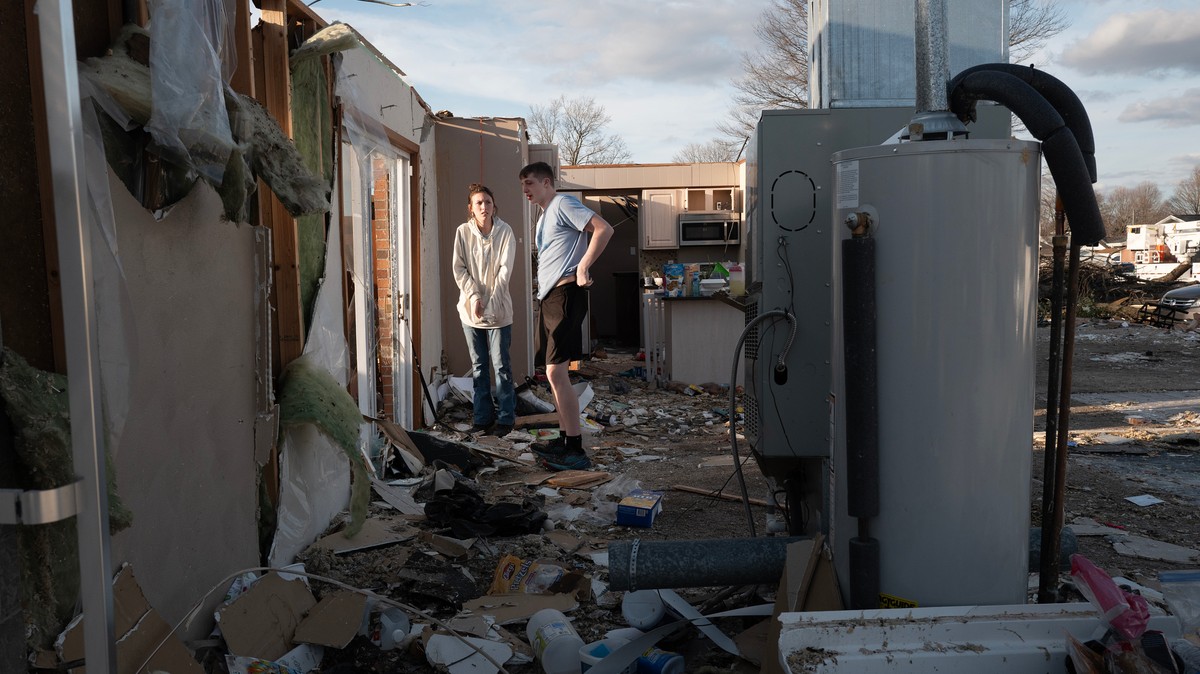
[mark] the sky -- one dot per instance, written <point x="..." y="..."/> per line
<point x="663" y="68"/>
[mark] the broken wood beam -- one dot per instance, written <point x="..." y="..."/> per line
<point x="723" y="496"/>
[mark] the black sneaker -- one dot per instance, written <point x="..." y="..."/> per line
<point x="556" y="456"/>
<point x="480" y="428"/>
<point x="501" y="430"/>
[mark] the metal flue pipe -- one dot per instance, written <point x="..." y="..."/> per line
<point x="933" y="55"/>
<point x="933" y="120"/>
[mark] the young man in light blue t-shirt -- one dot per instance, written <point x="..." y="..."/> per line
<point x="565" y="258"/>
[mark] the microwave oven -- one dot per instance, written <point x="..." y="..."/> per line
<point x="711" y="228"/>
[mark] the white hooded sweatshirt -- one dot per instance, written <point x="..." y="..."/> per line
<point x="482" y="267"/>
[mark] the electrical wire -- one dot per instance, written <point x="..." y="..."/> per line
<point x="191" y="614"/>
<point x="737" y="351"/>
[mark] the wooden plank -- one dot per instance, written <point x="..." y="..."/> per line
<point x="578" y="479"/>
<point x="243" y="75"/>
<point x="723" y="496"/>
<point x="531" y="420"/>
<point x="275" y="95"/>
<point x="45" y="187"/>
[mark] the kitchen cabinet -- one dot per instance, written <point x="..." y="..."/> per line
<point x="691" y="339"/>
<point x="659" y="215"/>
<point x="713" y="199"/>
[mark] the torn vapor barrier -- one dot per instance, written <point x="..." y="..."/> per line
<point x="188" y="120"/>
<point x="260" y="148"/>
<point x="320" y="431"/>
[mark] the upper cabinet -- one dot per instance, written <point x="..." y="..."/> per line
<point x="659" y="215"/>
<point x="713" y="199"/>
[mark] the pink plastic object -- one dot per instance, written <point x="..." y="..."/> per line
<point x="1125" y="612"/>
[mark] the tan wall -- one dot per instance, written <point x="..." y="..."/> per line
<point x="185" y="466"/>
<point x="649" y="176"/>
<point x="491" y="151"/>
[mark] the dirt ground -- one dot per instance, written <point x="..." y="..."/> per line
<point x="1134" y="430"/>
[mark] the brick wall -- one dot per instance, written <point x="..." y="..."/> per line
<point x="381" y="198"/>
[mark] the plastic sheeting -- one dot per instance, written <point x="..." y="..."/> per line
<point x="115" y="333"/>
<point x="188" y="42"/>
<point x="314" y="473"/>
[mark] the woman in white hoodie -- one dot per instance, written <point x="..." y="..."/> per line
<point x="484" y="252"/>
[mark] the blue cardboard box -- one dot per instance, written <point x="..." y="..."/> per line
<point x="639" y="508"/>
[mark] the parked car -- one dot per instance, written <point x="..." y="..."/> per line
<point x="1124" y="268"/>
<point x="1184" y="302"/>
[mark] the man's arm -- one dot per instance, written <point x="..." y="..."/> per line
<point x="601" y="233"/>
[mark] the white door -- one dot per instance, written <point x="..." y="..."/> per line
<point x="403" y="240"/>
<point x="357" y="187"/>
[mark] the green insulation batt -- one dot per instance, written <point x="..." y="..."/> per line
<point x="310" y="395"/>
<point x="312" y="131"/>
<point x="37" y="406"/>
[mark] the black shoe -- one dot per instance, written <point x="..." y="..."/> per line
<point x="556" y="456"/>
<point x="501" y="430"/>
<point x="480" y="428"/>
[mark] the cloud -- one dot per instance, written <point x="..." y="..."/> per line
<point x="1172" y="111"/>
<point x="1141" y="43"/>
<point x="1188" y="160"/>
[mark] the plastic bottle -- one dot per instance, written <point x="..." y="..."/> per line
<point x="642" y="609"/>
<point x="653" y="660"/>
<point x="657" y="661"/>
<point x="393" y="627"/>
<point x="591" y="654"/>
<point x="555" y="642"/>
<point x="737" y="280"/>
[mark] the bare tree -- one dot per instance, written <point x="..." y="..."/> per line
<point x="776" y="75"/>
<point x="1048" y="195"/>
<point x="1186" y="199"/>
<point x="712" y="151"/>
<point x="577" y="127"/>
<point x="1137" y="205"/>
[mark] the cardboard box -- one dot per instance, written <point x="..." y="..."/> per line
<point x="639" y="508"/>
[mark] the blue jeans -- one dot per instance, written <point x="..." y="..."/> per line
<point x="489" y="351"/>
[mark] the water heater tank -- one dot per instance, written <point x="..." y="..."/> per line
<point x="955" y="224"/>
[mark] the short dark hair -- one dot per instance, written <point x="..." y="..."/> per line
<point x="537" y="170"/>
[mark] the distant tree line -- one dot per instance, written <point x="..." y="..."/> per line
<point x="1138" y="205"/>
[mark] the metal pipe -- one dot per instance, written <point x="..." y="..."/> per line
<point x="56" y="34"/>
<point x="1046" y="590"/>
<point x="1054" y="550"/>
<point x="933" y="55"/>
<point x="1059" y="145"/>
<point x="649" y="565"/>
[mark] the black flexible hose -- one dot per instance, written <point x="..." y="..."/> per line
<point x="1062" y="151"/>
<point x="1056" y="94"/>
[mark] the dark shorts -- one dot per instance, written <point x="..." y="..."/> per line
<point x="559" y="334"/>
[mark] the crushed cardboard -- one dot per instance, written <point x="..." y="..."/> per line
<point x="334" y="620"/>
<point x="808" y="583"/>
<point x="139" y="631"/>
<point x="506" y="609"/>
<point x="262" y="622"/>
<point x="376" y="531"/>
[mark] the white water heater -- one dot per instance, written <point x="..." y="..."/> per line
<point x="955" y="227"/>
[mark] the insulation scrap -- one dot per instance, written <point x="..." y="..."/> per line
<point x="36" y="405"/>
<point x="310" y="395"/>
<point x="261" y="144"/>
<point x="335" y="37"/>
<point x="274" y="158"/>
